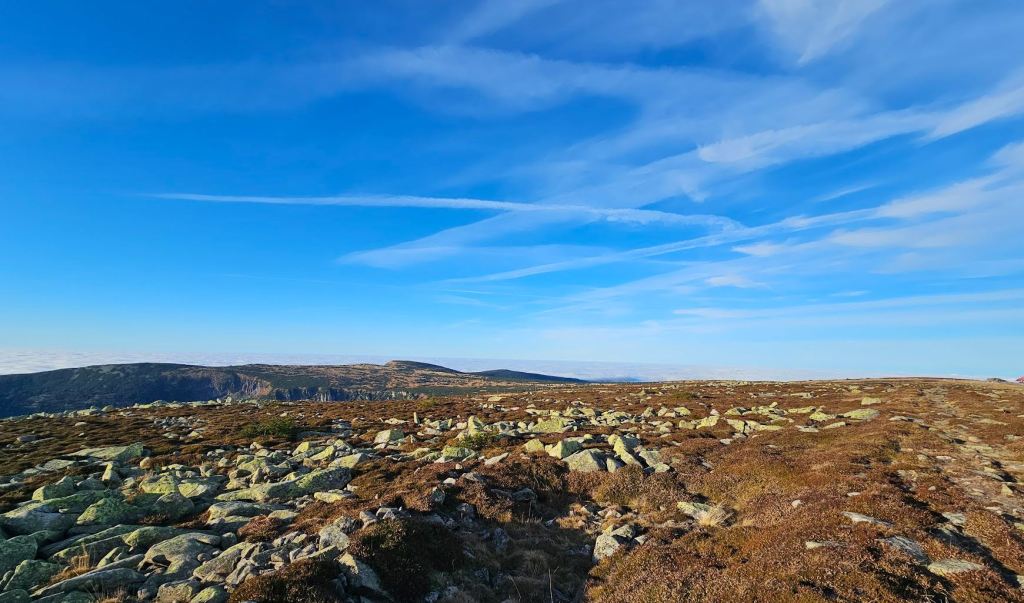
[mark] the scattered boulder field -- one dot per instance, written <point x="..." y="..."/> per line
<point x="857" y="490"/>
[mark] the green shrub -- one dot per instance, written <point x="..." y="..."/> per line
<point x="476" y="441"/>
<point x="281" y="427"/>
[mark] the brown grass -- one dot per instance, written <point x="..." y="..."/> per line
<point x="758" y="555"/>
<point x="305" y="581"/>
<point x="404" y="552"/>
<point x="77" y="565"/>
<point x="262" y="528"/>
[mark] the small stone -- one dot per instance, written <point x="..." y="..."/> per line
<point x="908" y="546"/>
<point x="336" y="535"/>
<point x="818" y="544"/>
<point x="607" y="545"/>
<point x="948" y="567"/>
<point x="859" y="518"/>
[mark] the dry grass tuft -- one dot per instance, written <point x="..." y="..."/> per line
<point x="631" y="487"/>
<point x="716" y="516"/>
<point x="77" y="565"/>
<point x="120" y="595"/>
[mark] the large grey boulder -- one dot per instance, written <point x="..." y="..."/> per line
<point x="60" y="489"/>
<point x="586" y="461"/>
<point x="117" y="454"/>
<point x="31" y="574"/>
<point x="15" y="596"/>
<point x="315" y="481"/>
<point x="180" y="591"/>
<point x="110" y="511"/>
<point x="36" y="517"/>
<point x="336" y="534"/>
<point x="58" y="548"/>
<point x="239" y="508"/>
<point x="141" y="539"/>
<point x="221" y="566"/>
<point x="102" y="580"/>
<point x="211" y="594"/>
<point x="361" y="576"/>
<point x="173" y="506"/>
<point x="180" y="556"/>
<point x="16" y="550"/>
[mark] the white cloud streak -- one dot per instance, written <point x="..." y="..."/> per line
<point x="611" y="214"/>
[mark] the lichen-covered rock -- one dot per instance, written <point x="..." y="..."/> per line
<point x="388" y="435"/>
<point x="552" y="425"/>
<point x="861" y="414"/>
<point x="563" y="448"/>
<point x="16" y="550"/>
<point x="709" y="421"/>
<point x="15" y="596"/>
<point x="316" y="481"/>
<point x="908" y="546"/>
<point x="608" y="544"/>
<point x="948" y="567"/>
<point x="101" y="580"/>
<point x="360" y="575"/>
<point x="30" y="574"/>
<point x="218" y="568"/>
<point x="351" y="460"/>
<point x="336" y="534"/>
<point x="117" y="454"/>
<point x="180" y="591"/>
<point x="693" y="509"/>
<point x="173" y="506"/>
<point x="211" y="594"/>
<point x="586" y="461"/>
<point x="34" y="518"/>
<point x="145" y="537"/>
<point x="180" y="555"/>
<point x="457" y="452"/>
<point x="110" y="510"/>
<point x="60" y="489"/>
<point x="219" y="510"/>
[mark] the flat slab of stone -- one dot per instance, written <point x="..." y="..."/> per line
<point x="948" y="567"/>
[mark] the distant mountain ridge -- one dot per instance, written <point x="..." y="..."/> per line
<point x="123" y="384"/>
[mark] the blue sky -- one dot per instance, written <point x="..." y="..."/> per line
<point x="830" y="186"/>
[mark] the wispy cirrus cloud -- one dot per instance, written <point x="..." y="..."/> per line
<point x="1005" y="101"/>
<point x="811" y="28"/>
<point x="611" y="214"/>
